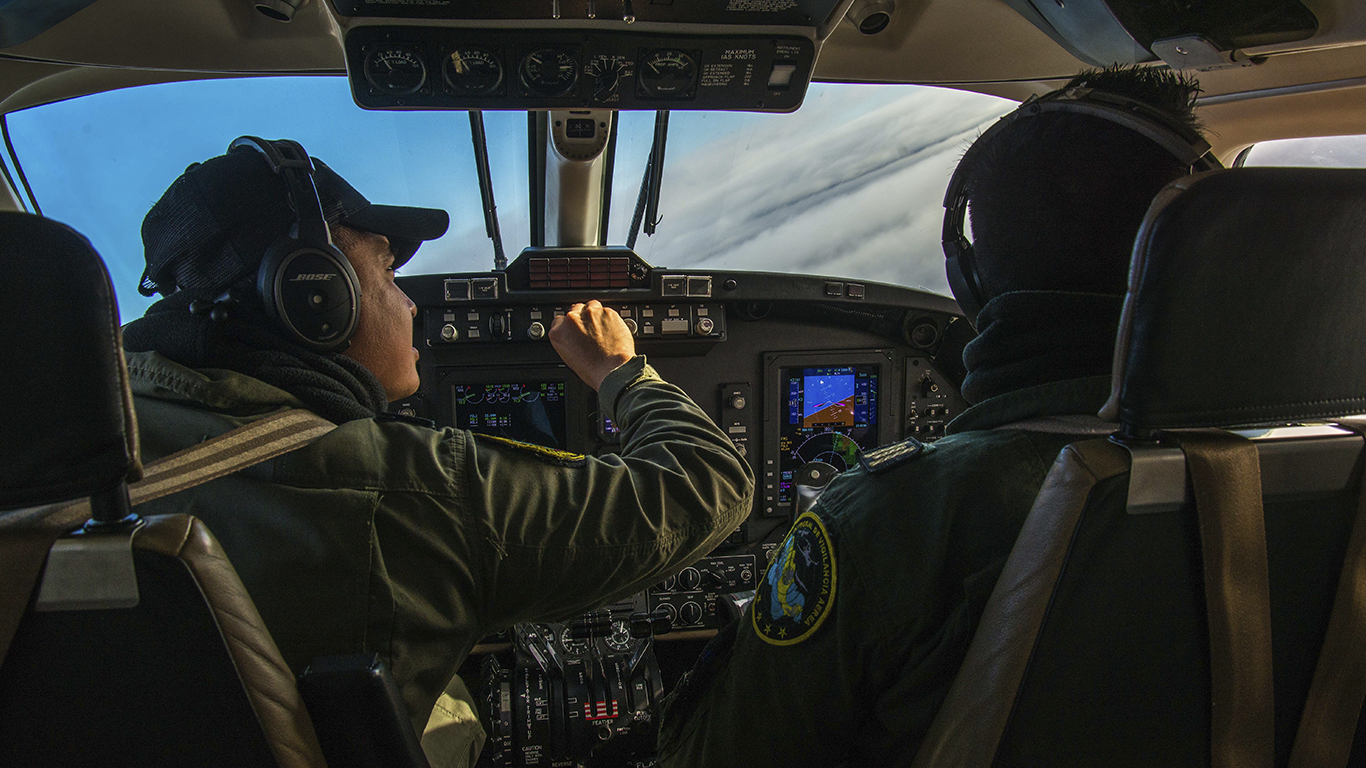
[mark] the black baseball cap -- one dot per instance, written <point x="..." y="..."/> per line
<point x="212" y="227"/>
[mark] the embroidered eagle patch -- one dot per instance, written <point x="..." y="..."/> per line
<point x="548" y="455"/>
<point x="799" y="589"/>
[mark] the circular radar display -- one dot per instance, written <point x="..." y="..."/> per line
<point x="833" y="448"/>
<point x="549" y="72"/>
<point x="395" y="70"/>
<point x="668" y="74"/>
<point x="473" y="72"/>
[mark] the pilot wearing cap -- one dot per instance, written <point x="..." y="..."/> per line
<point x="866" y="611"/>
<point x="387" y="535"/>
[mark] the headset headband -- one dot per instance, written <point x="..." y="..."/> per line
<point x="288" y="159"/>
<point x="1180" y="140"/>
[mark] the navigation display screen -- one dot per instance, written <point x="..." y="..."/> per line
<point x="831" y="414"/>
<point x="532" y="412"/>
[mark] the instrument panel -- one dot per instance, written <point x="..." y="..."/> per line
<point x="802" y="373"/>
<point x="445" y="68"/>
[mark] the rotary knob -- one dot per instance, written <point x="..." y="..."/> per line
<point x="689" y="579"/>
<point x="449" y="332"/>
<point x="691" y="613"/>
<point x="705" y="325"/>
<point x="536" y="331"/>
<point x="631" y="324"/>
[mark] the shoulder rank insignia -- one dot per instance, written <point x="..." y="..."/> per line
<point x="548" y="455"/>
<point x="798" y="591"/>
<point x="893" y="455"/>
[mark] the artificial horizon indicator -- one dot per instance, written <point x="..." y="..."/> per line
<point x="831" y="415"/>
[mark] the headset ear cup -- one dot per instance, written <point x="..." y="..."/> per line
<point x="963" y="285"/>
<point x="310" y="293"/>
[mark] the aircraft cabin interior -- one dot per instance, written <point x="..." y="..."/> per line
<point x="757" y="188"/>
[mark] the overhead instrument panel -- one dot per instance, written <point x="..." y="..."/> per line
<point x="794" y="13"/>
<point x="405" y="68"/>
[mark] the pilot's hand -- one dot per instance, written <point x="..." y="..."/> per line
<point x="592" y="340"/>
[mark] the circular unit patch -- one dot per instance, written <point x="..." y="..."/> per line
<point x="799" y="589"/>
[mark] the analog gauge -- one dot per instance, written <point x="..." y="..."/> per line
<point x="473" y="72"/>
<point x="668" y="74"/>
<point x="549" y="72"/>
<point x="606" y="72"/>
<point x="529" y="396"/>
<point x="620" y="639"/>
<point x="573" y="645"/>
<point x="395" y="70"/>
<point x="473" y="396"/>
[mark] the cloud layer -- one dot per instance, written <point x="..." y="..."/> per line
<point x="850" y="185"/>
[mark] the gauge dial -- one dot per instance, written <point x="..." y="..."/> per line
<point x="620" y="639"/>
<point x="473" y="71"/>
<point x="668" y="74"/>
<point x="574" y="645"/>
<point x="606" y="72"/>
<point x="833" y="448"/>
<point x="395" y="70"/>
<point x="549" y="72"/>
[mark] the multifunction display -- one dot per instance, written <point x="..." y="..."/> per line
<point x="533" y="412"/>
<point x="830" y="415"/>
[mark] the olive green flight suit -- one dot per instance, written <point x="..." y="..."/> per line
<point x="918" y="544"/>
<point x="415" y="542"/>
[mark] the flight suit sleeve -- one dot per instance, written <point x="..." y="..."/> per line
<point x="562" y="533"/>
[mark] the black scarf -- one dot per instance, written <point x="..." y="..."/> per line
<point x="332" y="385"/>
<point x="1027" y="338"/>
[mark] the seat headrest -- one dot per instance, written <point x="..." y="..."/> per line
<point x="68" y="430"/>
<point x="1245" y="302"/>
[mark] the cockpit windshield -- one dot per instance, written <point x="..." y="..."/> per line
<point x="849" y="185"/>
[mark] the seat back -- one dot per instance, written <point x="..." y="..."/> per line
<point x="133" y="641"/>
<point x="1107" y="640"/>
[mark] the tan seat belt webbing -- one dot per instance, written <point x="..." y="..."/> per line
<point x="968" y="729"/>
<point x="28" y="534"/>
<point x="1225" y="475"/>
<point x="1329" y="723"/>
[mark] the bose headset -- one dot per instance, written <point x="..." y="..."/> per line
<point x="307" y="286"/>
<point x="1183" y="142"/>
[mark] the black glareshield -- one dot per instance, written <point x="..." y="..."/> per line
<point x="309" y="290"/>
<point x="1181" y="141"/>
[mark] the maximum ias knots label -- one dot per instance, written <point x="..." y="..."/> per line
<point x="799" y="590"/>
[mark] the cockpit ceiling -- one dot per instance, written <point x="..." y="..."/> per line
<point x="982" y="45"/>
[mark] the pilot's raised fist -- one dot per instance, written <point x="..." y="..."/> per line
<point x="593" y="340"/>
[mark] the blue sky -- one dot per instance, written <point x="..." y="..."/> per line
<point x="849" y="185"/>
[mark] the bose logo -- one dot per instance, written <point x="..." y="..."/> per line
<point x="314" y="276"/>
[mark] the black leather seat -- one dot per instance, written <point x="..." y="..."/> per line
<point x="1120" y="632"/>
<point x="137" y="644"/>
